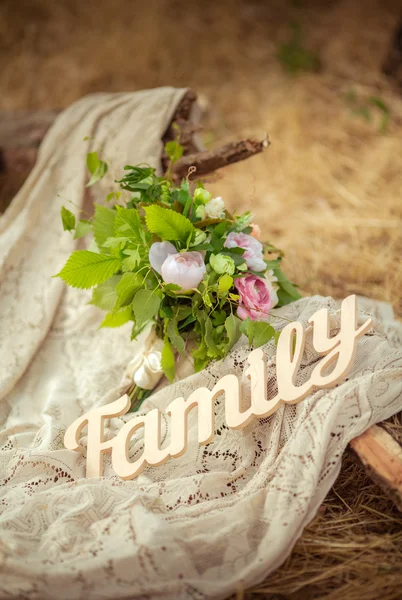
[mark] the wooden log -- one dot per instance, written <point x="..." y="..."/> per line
<point x="21" y="134"/>
<point x="392" y="66"/>
<point x="381" y="456"/>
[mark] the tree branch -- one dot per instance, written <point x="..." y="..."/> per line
<point x="210" y="160"/>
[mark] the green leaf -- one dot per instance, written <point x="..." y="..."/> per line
<point x="103" y="224"/>
<point x="225" y="283"/>
<point x="209" y="338"/>
<point x="168" y="224"/>
<point x="113" y="195"/>
<point x="67" y="218"/>
<point x="167" y="362"/>
<point x="104" y="296"/>
<point x="175" y="337"/>
<point x="132" y="260"/>
<point x="263" y="332"/>
<point x="98" y="168"/>
<point x="219" y="317"/>
<point x="82" y="229"/>
<point x="85" y="269"/>
<point x="287" y="292"/>
<point x="232" y="326"/>
<point x="145" y="304"/>
<point x="128" y="224"/>
<point x="117" y="319"/>
<point x="247" y="327"/>
<point x="92" y="162"/>
<point x="174" y="150"/>
<point x="126" y="288"/>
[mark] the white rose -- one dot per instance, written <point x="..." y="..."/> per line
<point x="146" y="368"/>
<point x="215" y="208"/>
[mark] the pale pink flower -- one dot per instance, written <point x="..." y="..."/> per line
<point x="254" y="249"/>
<point x="158" y="253"/>
<point x="185" y="269"/>
<point x="257" y="297"/>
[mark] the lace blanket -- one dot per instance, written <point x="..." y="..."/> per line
<point x="214" y="521"/>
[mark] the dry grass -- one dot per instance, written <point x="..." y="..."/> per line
<point x="328" y="190"/>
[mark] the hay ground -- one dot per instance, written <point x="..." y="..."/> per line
<point x="328" y="190"/>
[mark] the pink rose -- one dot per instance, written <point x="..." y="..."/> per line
<point x="158" y="253"/>
<point x="257" y="297"/>
<point x="254" y="249"/>
<point x="185" y="269"/>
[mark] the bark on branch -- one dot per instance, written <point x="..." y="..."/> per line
<point x="211" y="160"/>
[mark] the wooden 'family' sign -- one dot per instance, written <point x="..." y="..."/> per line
<point x="338" y="354"/>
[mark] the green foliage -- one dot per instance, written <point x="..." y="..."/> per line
<point x="294" y="56"/>
<point x="258" y="332"/>
<point x="145" y="304"/>
<point x="132" y="259"/>
<point x="104" y="296"/>
<point x="168" y="363"/>
<point x="128" y="224"/>
<point x="117" y="319"/>
<point x="85" y="269"/>
<point x="168" y="225"/>
<point x="103" y="225"/>
<point x="82" y="229"/>
<point x="174" y="150"/>
<point x="97" y="168"/>
<point x="174" y="335"/>
<point x="232" y="326"/>
<point x="287" y="292"/>
<point x="225" y="283"/>
<point x="68" y="219"/>
<point x="367" y="108"/>
<point x="127" y="286"/>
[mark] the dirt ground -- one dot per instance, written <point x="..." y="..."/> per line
<point x="328" y="190"/>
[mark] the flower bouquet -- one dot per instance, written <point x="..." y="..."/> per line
<point x="174" y="257"/>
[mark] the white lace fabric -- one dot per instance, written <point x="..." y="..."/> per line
<point x="213" y="521"/>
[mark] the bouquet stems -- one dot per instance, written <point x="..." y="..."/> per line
<point x="137" y="396"/>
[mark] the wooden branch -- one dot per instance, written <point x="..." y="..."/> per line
<point x="381" y="456"/>
<point x="211" y="160"/>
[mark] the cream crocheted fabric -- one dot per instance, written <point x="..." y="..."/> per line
<point x="216" y="520"/>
